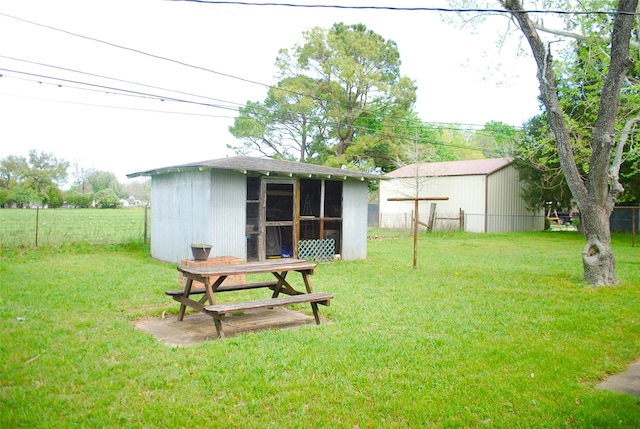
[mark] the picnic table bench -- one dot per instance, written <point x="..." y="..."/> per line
<point x="278" y="267"/>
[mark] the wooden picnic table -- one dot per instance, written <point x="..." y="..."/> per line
<point x="212" y="277"/>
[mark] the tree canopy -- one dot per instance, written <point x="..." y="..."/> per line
<point x="35" y="179"/>
<point x="339" y="86"/>
<point x="288" y="124"/>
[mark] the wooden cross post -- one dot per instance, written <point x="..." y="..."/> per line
<point x="415" y="219"/>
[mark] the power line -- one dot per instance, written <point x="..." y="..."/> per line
<point x="108" y="89"/>
<point x="73" y="84"/>
<point x="137" y="51"/>
<point x="66" y="83"/>
<point x="120" y="91"/>
<point x="359" y="128"/>
<point x="120" y="80"/>
<point x="117" y="107"/>
<point x="147" y="54"/>
<point x="175" y="61"/>
<point x="410" y="9"/>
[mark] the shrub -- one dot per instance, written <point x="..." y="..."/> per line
<point x="107" y="199"/>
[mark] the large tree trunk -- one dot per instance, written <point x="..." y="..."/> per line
<point x="597" y="256"/>
<point x="595" y="198"/>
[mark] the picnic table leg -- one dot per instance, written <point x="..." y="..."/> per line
<point x="217" y="320"/>
<point x="307" y="283"/>
<point x="281" y="282"/>
<point x="316" y="315"/>
<point x="210" y="289"/>
<point x="186" y="293"/>
<point x="314" y="305"/>
<point x="208" y="292"/>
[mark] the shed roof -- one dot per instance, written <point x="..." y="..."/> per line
<point x="264" y="166"/>
<point x="472" y="167"/>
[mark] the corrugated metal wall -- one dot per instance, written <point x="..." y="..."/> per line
<point x="228" y="213"/>
<point x="354" y="220"/>
<point x="506" y="210"/>
<point x="466" y="192"/>
<point x="198" y="207"/>
<point x="491" y="203"/>
<point x="181" y="213"/>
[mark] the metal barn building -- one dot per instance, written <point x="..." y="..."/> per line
<point x="256" y="208"/>
<point x="486" y="191"/>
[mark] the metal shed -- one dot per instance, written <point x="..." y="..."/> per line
<point x="487" y="191"/>
<point x="256" y="208"/>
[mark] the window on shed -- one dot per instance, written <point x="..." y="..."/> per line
<point x="279" y="202"/>
<point x="253" y="218"/>
<point x="321" y="210"/>
<point x="332" y="198"/>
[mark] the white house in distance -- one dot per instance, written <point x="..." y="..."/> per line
<point x="486" y="190"/>
<point x="256" y="208"/>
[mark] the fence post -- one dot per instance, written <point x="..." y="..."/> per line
<point x="432" y="218"/>
<point x="146" y="209"/>
<point x="633" y="226"/>
<point x="37" y="223"/>
<point x="461" y="219"/>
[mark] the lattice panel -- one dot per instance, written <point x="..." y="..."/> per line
<point x="317" y="250"/>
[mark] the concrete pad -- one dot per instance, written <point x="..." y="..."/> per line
<point x="625" y="382"/>
<point x="197" y="327"/>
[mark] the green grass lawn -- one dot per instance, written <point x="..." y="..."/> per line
<point x="54" y="227"/>
<point x="489" y="331"/>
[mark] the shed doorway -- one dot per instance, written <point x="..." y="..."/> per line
<point x="279" y="214"/>
<point x="282" y="211"/>
<point x="271" y="215"/>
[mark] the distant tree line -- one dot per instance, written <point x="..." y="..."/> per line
<point x="36" y="181"/>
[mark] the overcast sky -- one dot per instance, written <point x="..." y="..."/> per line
<point x="220" y="55"/>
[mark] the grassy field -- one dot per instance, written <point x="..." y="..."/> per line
<point x="55" y="227"/>
<point x="489" y="331"/>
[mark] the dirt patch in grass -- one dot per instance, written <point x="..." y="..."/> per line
<point x="197" y="327"/>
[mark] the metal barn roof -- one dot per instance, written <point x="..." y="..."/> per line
<point x="473" y="167"/>
<point x="264" y="166"/>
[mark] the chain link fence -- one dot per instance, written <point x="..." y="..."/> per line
<point x="441" y="222"/>
<point x="55" y="227"/>
<point x="464" y="221"/>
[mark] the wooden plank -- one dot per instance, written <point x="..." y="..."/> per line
<point x="176" y="292"/>
<point x="244" y="286"/>
<point x="219" y="310"/>
<point x="269" y="266"/>
<point x="189" y="302"/>
<point x="225" y="288"/>
<point x="315" y="297"/>
<point x="419" y="199"/>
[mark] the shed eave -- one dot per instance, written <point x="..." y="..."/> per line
<point x="267" y="167"/>
<point x="165" y="171"/>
